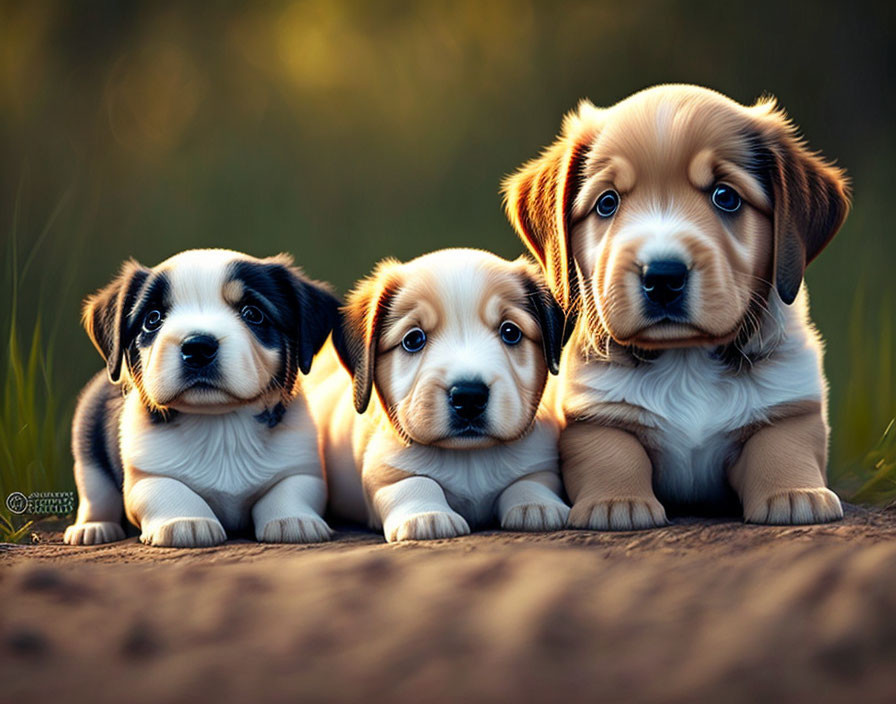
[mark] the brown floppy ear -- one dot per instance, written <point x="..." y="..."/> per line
<point x="811" y="198"/>
<point x="550" y="316"/>
<point x="356" y="338"/>
<point x="538" y="200"/>
<point x="105" y="316"/>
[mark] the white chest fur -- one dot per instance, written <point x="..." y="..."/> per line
<point x="473" y="479"/>
<point x="228" y="459"/>
<point x="693" y="405"/>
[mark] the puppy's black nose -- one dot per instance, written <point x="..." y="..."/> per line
<point x="664" y="281"/>
<point x="199" y="350"/>
<point x="468" y="399"/>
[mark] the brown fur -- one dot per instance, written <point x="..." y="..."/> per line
<point x="672" y="145"/>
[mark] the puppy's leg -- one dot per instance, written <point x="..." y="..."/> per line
<point x="609" y="479"/>
<point x="533" y="503"/>
<point x="170" y="514"/>
<point x="100" y="507"/>
<point x="779" y="475"/>
<point x="290" y="512"/>
<point x="412" y="507"/>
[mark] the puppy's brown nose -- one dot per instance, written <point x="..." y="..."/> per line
<point x="468" y="399"/>
<point x="664" y="282"/>
<point x="199" y="351"/>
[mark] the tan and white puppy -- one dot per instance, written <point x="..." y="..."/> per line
<point x="677" y="225"/>
<point x="457" y="344"/>
<point x="199" y="425"/>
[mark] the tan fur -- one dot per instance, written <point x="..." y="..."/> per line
<point x="664" y="150"/>
<point x="780" y="473"/>
<point x="620" y="495"/>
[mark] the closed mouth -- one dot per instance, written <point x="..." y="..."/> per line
<point x="671" y="332"/>
<point x="469" y="431"/>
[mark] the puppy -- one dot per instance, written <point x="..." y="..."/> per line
<point x="200" y="418"/>
<point x="677" y="225"/>
<point x="457" y="344"/>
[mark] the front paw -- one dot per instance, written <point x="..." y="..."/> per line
<point x="185" y="533"/>
<point x="93" y="533"/>
<point x="432" y="525"/>
<point x="618" y="514"/>
<point x="536" y="517"/>
<point x="297" y="529"/>
<point x="797" y="507"/>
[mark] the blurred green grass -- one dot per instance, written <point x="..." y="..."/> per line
<point x="34" y="431"/>
<point x="347" y="131"/>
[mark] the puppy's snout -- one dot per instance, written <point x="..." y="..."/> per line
<point x="468" y="399"/>
<point x="199" y="351"/>
<point x="664" y="282"/>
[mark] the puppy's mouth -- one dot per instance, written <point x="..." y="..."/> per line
<point x="671" y="333"/>
<point x="469" y="431"/>
<point x="203" y="393"/>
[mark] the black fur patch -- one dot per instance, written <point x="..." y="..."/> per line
<point x="271" y="417"/>
<point x="761" y="163"/>
<point x="153" y="295"/>
<point x="97" y="416"/>
<point x="552" y="321"/>
<point x="301" y="314"/>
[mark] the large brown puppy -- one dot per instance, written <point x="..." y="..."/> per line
<point x="676" y="227"/>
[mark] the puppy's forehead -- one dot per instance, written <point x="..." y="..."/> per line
<point x="664" y="128"/>
<point x="201" y="275"/>
<point x="460" y="282"/>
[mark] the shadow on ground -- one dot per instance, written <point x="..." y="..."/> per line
<point x="698" y="611"/>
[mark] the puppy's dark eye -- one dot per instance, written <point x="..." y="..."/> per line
<point x="510" y="333"/>
<point x="413" y="340"/>
<point x="252" y="315"/>
<point x="726" y="198"/>
<point x="152" y="321"/>
<point x="607" y="204"/>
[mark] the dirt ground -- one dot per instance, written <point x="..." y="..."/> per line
<point x="699" y="611"/>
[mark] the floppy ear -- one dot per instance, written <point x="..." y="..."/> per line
<point x="538" y="200"/>
<point x="811" y="198"/>
<point x="550" y="316"/>
<point x="362" y="323"/>
<point x="105" y="316"/>
<point x="314" y="309"/>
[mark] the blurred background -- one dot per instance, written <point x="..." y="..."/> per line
<point x="344" y="132"/>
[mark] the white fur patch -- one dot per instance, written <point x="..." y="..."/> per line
<point x="695" y="404"/>
<point x="474" y="478"/>
<point x="229" y="459"/>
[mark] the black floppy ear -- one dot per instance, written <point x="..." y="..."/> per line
<point x="105" y="316"/>
<point x="315" y="313"/>
<point x="319" y="316"/>
<point x="555" y="326"/>
<point x="811" y="197"/>
<point x="361" y="325"/>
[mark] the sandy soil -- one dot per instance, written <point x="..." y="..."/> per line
<point x="698" y="611"/>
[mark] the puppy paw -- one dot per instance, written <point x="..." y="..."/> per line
<point x="185" y="533"/>
<point x="617" y="514"/>
<point x="797" y="507"/>
<point x="429" y="526"/>
<point x="298" y="529"/>
<point x="536" y="517"/>
<point x="93" y="533"/>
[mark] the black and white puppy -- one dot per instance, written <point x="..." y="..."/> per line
<point x="200" y="425"/>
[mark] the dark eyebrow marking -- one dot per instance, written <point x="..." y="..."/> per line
<point x="261" y="287"/>
<point x="760" y="163"/>
<point x="155" y="289"/>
